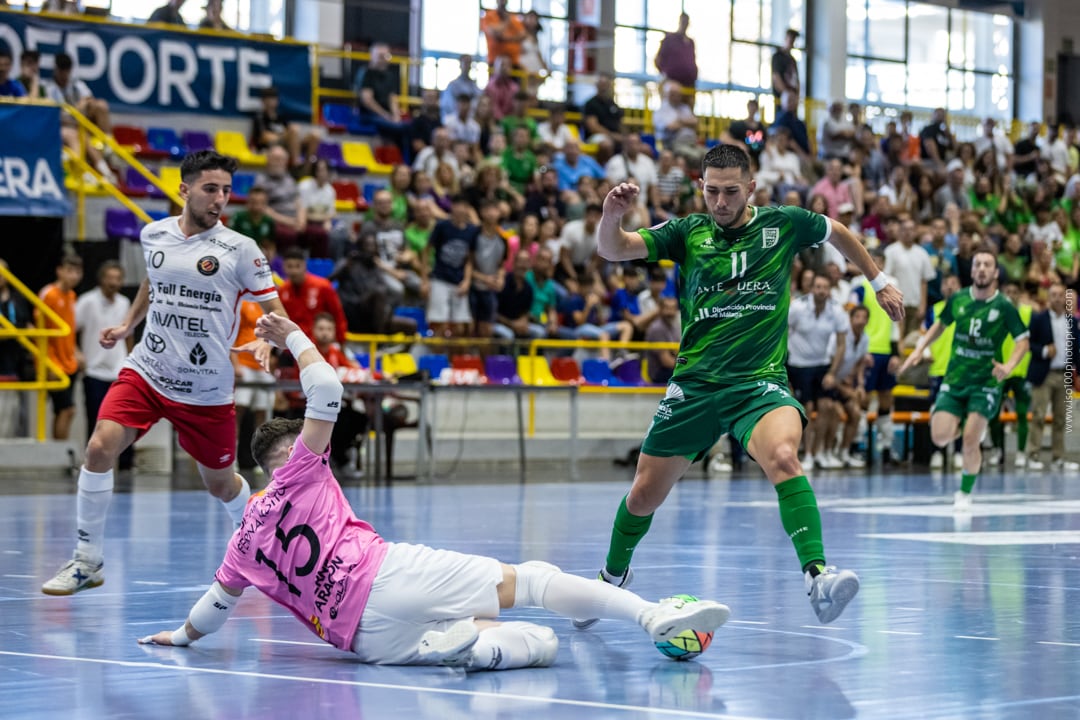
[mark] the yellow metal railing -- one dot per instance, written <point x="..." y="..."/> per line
<point x="39" y="349"/>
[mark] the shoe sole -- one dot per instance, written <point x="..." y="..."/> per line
<point x="64" y="593"/>
<point x="436" y="647"/>
<point x="843" y="591"/>
<point x="700" y="616"/>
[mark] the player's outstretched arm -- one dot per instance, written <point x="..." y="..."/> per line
<point x="207" y="616"/>
<point x="112" y="335"/>
<point x="889" y="296"/>
<point x="920" y="347"/>
<point x="258" y="347"/>
<point x="614" y="243"/>
<point x="319" y="381"/>
<point x="1019" y="351"/>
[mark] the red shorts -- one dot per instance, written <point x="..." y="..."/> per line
<point x="207" y="433"/>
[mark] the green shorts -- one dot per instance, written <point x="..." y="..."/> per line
<point x="983" y="400"/>
<point x="690" y="419"/>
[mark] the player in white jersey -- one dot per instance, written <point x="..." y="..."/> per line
<point x="197" y="273"/>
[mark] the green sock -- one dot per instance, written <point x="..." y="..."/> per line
<point x="967" y="482"/>
<point x="625" y="535"/>
<point x="801" y="520"/>
<point x="1022" y="426"/>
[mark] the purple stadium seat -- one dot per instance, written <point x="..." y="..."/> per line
<point x="501" y="370"/>
<point x="331" y="153"/>
<point x="196" y="140"/>
<point x="135" y="185"/>
<point x="629" y="372"/>
<point x="121" y="224"/>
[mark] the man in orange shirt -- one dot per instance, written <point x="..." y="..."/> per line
<point x="248" y="370"/>
<point x="504" y="31"/>
<point x="352" y="420"/>
<point x="305" y="295"/>
<point x="60" y="298"/>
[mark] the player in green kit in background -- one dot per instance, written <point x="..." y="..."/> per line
<point x="734" y="291"/>
<point x="971" y="393"/>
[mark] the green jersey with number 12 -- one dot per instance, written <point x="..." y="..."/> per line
<point x="981" y="327"/>
<point x="734" y="290"/>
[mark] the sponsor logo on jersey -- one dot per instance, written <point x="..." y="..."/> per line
<point x="155" y="343"/>
<point x="189" y="325"/>
<point x="197" y="356"/>
<point x="221" y="244"/>
<point x="754" y="286"/>
<point x="769" y="237"/>
<point x="674" y="392"/>
<point x="205" y="296"/>
<point x="207" y="265"/>
<point x="260" y="261"/>
<point x="992" y="315"/>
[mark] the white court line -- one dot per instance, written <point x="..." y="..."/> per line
<point x="148" y="582"/>
<point x="21" y="576"/>
<point x="900" y="632"/>
<point x="973" y="637"/>
<point x="746" y="622"/>
<point x="824" y="627"/>
<point x="674" y="712"/>
<point x="13" y="552"/>
<point x="290" y="642"/>
<point x="911" y="609"/>
<point x="1060" y="644"/>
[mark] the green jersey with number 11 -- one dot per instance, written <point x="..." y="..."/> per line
<point x="734" y="290"/>
<point x="981" y="327"/>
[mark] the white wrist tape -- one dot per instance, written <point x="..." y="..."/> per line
<point x="298" y="342"/>
<point x="323" y="391"/>
<point x="878" y="283"/>
<point x="212" y="610"/>
<point x="180" y="637"/>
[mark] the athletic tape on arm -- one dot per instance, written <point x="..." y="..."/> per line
<point x="212" y="610"/>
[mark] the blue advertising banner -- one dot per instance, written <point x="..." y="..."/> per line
<point x="142" y="69"/>
<point x="31" y="173"/>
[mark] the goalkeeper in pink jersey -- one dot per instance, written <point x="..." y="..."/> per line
<point x="391" y="603"/>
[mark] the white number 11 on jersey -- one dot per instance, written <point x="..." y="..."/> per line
<point x="736" y="271"/>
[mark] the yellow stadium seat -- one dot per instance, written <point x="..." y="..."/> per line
<point x="234" y="144"/>
<point x="359" y="155"/>
<point x="535" y="371"/>
<point x="398" y="364"/>
<point x="170" y="178"/>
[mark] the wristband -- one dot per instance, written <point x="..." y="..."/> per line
<point x="298" y="342"/>
<point x="180" y="637"/>
<point x="879" y="283"/>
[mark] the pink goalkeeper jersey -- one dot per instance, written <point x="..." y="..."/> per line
<point x="302" y="546"/>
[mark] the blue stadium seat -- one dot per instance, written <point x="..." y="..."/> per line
<point x="370" y="189"/>
<point x="165" y="140"/>
<point x="598" y="372"/>
<point x="433" y="364"/>
<point x="320" y="266"/>
<point x="242" y="183"/>
<point x="414" y="313"/>
<point x="157" y="214"/>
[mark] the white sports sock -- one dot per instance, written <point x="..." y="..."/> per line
<point x="92" y="506"/>
<point x="235" y="507"/>
<point x="576" y="597"/>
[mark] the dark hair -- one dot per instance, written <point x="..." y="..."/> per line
<point x="484" y="203"/>
<point x="31" y="55"/>
<point x="726" y="156"/>
<point x="270" y="92"/>
<point x="270" y="436"/>
<point x="258" y="190"/>
<point x="63" y="61"/>
<point x="5" y="53"/>
<point x="859" y="308"/>
<point x="522" y="96"/>
<point x="323" y="316"/>
<point x="71" y="260"/>
<point x="594" y="207"/>
<point x="985" y="249"/>
<point x="460" y="199"/>
<point x="106" y="267"/>
<point x="294" y="253"/>
<point x="197" y="163"/>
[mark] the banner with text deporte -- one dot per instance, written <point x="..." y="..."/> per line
<point x="147" y="69"/>
<point x="31" y="173"/>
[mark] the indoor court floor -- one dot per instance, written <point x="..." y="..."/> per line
<point x="957" y="617"/>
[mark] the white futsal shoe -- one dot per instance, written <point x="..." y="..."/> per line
<point x="674" y="615"/>
<point x="452" y="647"/>
<point x="77" y="574"/>
<point x="831" y="591"/>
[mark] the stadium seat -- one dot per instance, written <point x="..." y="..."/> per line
<point x="242" y="183"/>
<point x="369" y="191"/>
<point x="170" y="178"/>
<point x="335" y="118"/>
<point x="417" y="314"/>
<point x="358" y="157"/>
<point x="467" y="362"/>
<point x="165" y="140"/>
<point x="320" y="266"/>
<point x="565" y="369"/>
<point x="598" y="372"/>
<point x="131" y="137"/>
<point x="156" y="215"/>
<point x="331" y="153"/>
<point x="228" y="142"/>
<point x="389" y="155"/>
<point x="534" y="370"/>
<point x="348" y="196"/>
<point x="134" y="184"/>
<point x="501" y="370"/>
<point x="121" y="224"/>
<point x="629" y="372"/>
<point x="398" y="364"/>
<point x="649" y="140"/>
<point x="433" y="365"/>
<point x="364" y="360"/>
<point x="196" y="140"/>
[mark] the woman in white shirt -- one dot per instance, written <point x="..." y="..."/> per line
<point x="320" y="199"/>
<point x="531" y="60"/>
<point x="780" y="167"/>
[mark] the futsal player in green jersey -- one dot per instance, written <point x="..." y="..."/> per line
<point x="971" y="393"/>
<point x="734" y="269"/>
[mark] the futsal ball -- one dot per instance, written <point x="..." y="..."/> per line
<point x="688" y="644"/>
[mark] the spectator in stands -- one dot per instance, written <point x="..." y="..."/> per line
<point x="936" y="141"/>
<point x="1011" y="260"/>
<point x="518" y="160"/>
<point x="910" y="264"/>
<point x="785" y="72"/>
<point x="283" y="199"/>
<point x="997" y="142"/>
<point x="634" y="165"/>
<point x="1052" y="392"/>
<point x="63" y="88"/>
<point x="833" y="188"/>
<point x="319" y="200"/>
<point x="60" y="297"/>
<point x="489" y="273"/>
<point x="268" y="128"/>
<point x="748" y="133"/>
<point x="305" y="295"/>
<point x="491" y="183"/>
<point x="670" y="182"/>
<point x="352" y="420"/>
<point x="61" y="7"/>
<point x="425" y="119"/>
<point x="390" y="254"/>
<point x="439" y="152"/>
<point x="515" y="303"/>
<point x="676" y="58"/>
<point x="518" y="116"/>
<point x="254" y="386"/>
<point x="578" y="240"/>
<point x="942" y="258"/>
<point x="168" y="13"/>
<point x="460" y="125"/>
<point x="504" y="33"/>
<point x="849" y="394"/>
<point x="571" y="165"/>
<point x="14" y="360"/>
<point x="213" y="20"/>
<point x="484" y="115"/>
<point x="554" y="133"/>
<point x="453" y="243"/>
<point x="837" y="134"/>
<point x="1041" y="275"/>
<point x="1026" y="154"/>
<point x="924" y="196"/>
<point x="665" y="328"/>
<point x="417" y="233"/>
<point x="780" y="165"/>
<point x="786" y="117"/>
<point x="501" y="88"/>
<point x="625" y="305"/>
<point x="378" y="100"/>
<point x="884" y="336"/>
<point x="544" y="311"/>
<point x="101" y="308"/>
<point x="531" y="60"/>
<point x="30" y="74"/>
<point x="676" y="125"/>
<point x="1044" y="229"/>
<point x="463" y="84"/>
<point x="1056" y="152"/>
<point x="254" y="221"/>
<point x="8" y="86"/>
<point x="603" y="118"/>
<point x="953" y="191"/>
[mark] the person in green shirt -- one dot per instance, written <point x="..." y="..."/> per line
<point x="971" y="393"/>
<point x="518" y="160"/>
<point x="1067" y="254"/>
<point x="734" y="262"/>
<point x="1010" y="259"/>
<point x="545" y="297"/>
<point x="518" y="117"/>
<point x="253" y="220"/>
